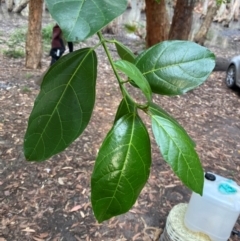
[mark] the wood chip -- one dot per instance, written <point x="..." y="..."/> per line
<point x="29" y="230"/>
<point x="76" y="208"/>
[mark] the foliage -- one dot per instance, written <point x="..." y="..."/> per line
<point x="47" y="33"/>
<point x="25" y="90"/>
<point x="135" y="27"/>
<point x="15" y="44"/>
<point x="131" y="28"/>
<point x="14" y="53"/>
<point x="219" y="2"/>
<point x="47" y="36"/>
<point x="18" y="37"/>
<point x="65" y="104"/>
<point x="16" y="41"/>
<point x="29" y="75"/>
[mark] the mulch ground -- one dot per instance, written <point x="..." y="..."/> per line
<point x="51" y="200"/>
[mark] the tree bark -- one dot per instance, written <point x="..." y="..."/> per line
<point x="34" y="36"/>
<point x="234" y="8"/>
<point x="135" y="13"/>
<point x="236" y="14"/>
<point x="182" y="20"/>
<point x="205" y="8"/>
<point x="23" y="4"/>
<point x="220" y="13"/>
<point x="221" y="64"/>
<point x="9" y="4"/>
<point x="157" y="22"/>
<point x="201" y="35"/>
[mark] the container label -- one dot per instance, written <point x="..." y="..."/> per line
<point x="225" y="188"/>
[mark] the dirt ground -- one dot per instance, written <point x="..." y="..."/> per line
<point x="51" y="200"/>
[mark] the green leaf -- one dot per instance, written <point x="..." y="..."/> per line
<point x="126" y="107"/>
<point x="157" y="110"/>
<point x="178" y="151"/>
<point x="124" y="52"/>
<point x="121" y="169"/>
<point x="175" y="67"/>
<point x="136" y="76"/>
<point x="64" y="105"/>
<point x="80" y="19"/>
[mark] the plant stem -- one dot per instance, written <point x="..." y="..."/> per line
<point x="103" y="42"/>
<point x="125" y="94"/>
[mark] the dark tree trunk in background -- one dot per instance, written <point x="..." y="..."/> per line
<point x="34" y="36"/>
<point x="182" y="20"/>
<point x="157" y="22"/>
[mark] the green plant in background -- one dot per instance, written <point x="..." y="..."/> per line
<point x="18" y="37"/>
<point x="47" y="32"/>
<point x="136" y="28"/>
<point x="47" y="36"/>
<point x="29" y="75"/>
<point x="25" y="90"/>
<point x="131" y="27"/>
<point x="16" y="41"/>
<point x="14" y="53"/>
<point x="219" y="2"/>
<point x="65" y="104"/>
<point x="16" y="44"/>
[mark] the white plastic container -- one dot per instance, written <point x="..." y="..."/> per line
<point x="216" y="211"/>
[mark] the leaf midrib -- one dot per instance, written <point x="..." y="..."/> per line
<point x="124" y="166"/>
<point x="55" y="108"/>
<point x="175" y="144"/>
<point x="174" y="65"/>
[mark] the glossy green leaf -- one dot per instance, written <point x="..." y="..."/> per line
<point x="136" y="76"/>
<point x="124" y="52"/>
<point x="178" y="150"/>
<point x="126" y="107"/>
<point x="64" y="105"/>
<point x="175" y="67"/>
<point x="121" y="169"/>
<point x="157" y="110"/>
<point x="80" y="19"/>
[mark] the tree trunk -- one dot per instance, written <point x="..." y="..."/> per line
<point x="236" y="15"/>
<point x="220" y="13"/>
<point x="205" y="8"/>
<point x="201" y="35"/>
<point x="182" y="20"/>
<point x="234" y="8"/>
<point x="34" y="36"/>
<point x="139" y="2"/>
<point x="9" y="4"/>
<point x="23" y="4"/>
<point x="157" y="22"/>
<point x="135" y="13"/>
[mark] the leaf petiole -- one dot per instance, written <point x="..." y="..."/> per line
<point x="103" y="42"/>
